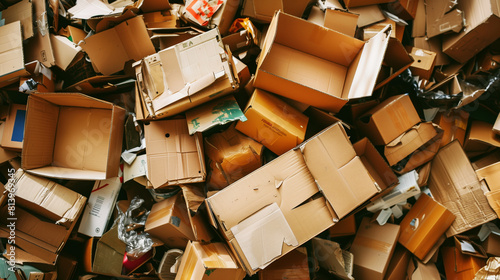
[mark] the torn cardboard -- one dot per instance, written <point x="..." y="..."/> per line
<point x="332" y="258"/>
<point x="443" y="16"/>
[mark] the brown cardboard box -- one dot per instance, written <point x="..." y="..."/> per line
<point x="224" y="17"/>
<point x="404" y="9"/>
<point x="21" y="11"/>
<point x="5" y="154"/>
<point x="13" y="133"/>
<point x="368" y="14"/>
<point x="397" y="58"/>
<point x="332" y="258"/>
<point x="492" y="245"/>
<point x="480" y="139"/>
<point x="267" y="213"/>
<point x="207" y="262"/>
<point x="487" y="168"/>
<point x="459" y="266"/>
<point x="161" y="19"/>
<point x="72" y="136"/>
<point x="388" y="120"/>
<point x="328" y="68"/>
<point x="482" y="18"/>
<point x="454" y="184"/>
<point x="399" y="264"/>
<point x="418" y="29"/>
<point x="273" y="123"/>
<point x="293" y="265"/>
<point x="442" y="17"/>
<point x="43" y="76"/>
<point x="414" y="147"/>
<point x="496" y="126"/>
<point x="468" y="247"/>
<point x="263" y="11"/>
<point x="373" y="248"/>
<point x="373" y="29"/>
<point x="174" y="157"/>
<point x="344" y="227"/>
<point x="39" y="47"/>
<point x="423" y="62"/>
<point x="357" y="3"/>
<point x="422" y="227"/>
<point x="12" y="60"/>
<point x="232" y="156"/>
<point x="454" y="125"/>
<point x="109" y="50"/>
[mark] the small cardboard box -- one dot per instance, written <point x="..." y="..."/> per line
<point x="72" y="136"/>
<point x="423" y="62"/>
<point x="422" y="227"/>
<point x="443" y="16"/>
<point x="399" y="264"/>
<point x="259" y="231"/>
<point x="455" y="185"/>
<point x="109" y="50"/>
<point x="388" y="120"/>
<point x="482" y="18"/>
<point x="316" y="65"/>
<point x="480" y="139"/>
<point x="184" y="76"/>
<point x="373" y="248"/>
<point x="293" y="265"/>
<point x="459" y="266"/>
<point x="232" y="155"/>
<point x="13" y="133"/>
<point x="404" y="9"/>
<point x="208" y="261"/>
<point x="173" y="156"/>
<point x="433" y="45"/>
<point x="332" y="258"/>
<point x="273" y="123"/>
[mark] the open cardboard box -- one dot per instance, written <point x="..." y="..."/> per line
<point x="316" y="65"/>
<point x="263" y="11"/>
<point x="266" y="214"/>
<point x="12" y="58"/>
<point x="72" y="136"/>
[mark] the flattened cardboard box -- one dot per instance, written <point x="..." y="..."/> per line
<point x="454" y="184"/>
<point x="328" y="68"/>
<point x="173" y="156"/>
<point x="273" y="123"/>
<point x="72" y="136"/>
<point x="302" y="181"/>
<point x="207" y="262"/>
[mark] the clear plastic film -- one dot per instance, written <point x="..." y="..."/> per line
<point x="136" y="215"/>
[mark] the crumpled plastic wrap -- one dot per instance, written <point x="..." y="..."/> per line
<point x="491" y="271"/>
<point x="137" y="242"/>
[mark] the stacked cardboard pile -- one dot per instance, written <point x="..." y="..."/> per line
<point x="249" y="139"/>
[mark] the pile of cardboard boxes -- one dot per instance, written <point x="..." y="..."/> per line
<point x="250" y="139"/>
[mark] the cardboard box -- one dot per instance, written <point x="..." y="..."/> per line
<point x="72" y="136"/>
<point x="496" y="125"/>
<point x="481" y="17"/>
<point x="259" y="231"/>
<point x="174" y="157"/>
<point x="341" y="21"/>
<point x="263" y="11"/>
<point x="434" y="45"/>
<point x="454" y="125"/>
<point x="14" y="130"/>
<point x="357" y="3"/>
<point x="12" y="58"/>
<point x="65" y="51"/>
<point x="74" y="34"/>
<point x="368" y="14"/>
<point x="459" y="266"/>
<point x="332" y="258"/>
<point x="208" y="261"/>
<point x="161" y="19"/>
<point x="423" y="62"/>
<point x="42" y="79"/>
<point x="371" y="30"/>
<point x="345" y="227"/>
<point x="217" y="112"/>
<point x="468" y="247"/>
<point x="373" y="248"/>
<point x="232" y="156"/>
<point x="487" y="168"/>
<point x="388" y="120"/>
<point x="39" y="47"/>
<point x="109" y="50"/>
<point x="273" y="123"/>
<point x="328" y="68"/>
<point x="100" y="206"/>
<point x="480" y="139"/>
<point x="419" y="271"/>
<point x="98" y="85"/>
<point x="224" y="16"/>
<point x="399" y="264"/>
<point x="454" y="184"/>
<point x="294" y="265"/>
<point x="199" y="69"/>
<point x="23" y="12"/>
<point x="442" y="17"/>
<point x="414" y="147"/>
<point x="406" y="188"/>
<point x="422" y="227"/>
<point x="5" y="154"/>
<point x="404" y="9"/>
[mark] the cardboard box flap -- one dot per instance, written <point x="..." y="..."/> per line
<point x="341" y="21"/>
<point x="481" y="137"/>
<point x="22" y="11"/>
<point x="262" y="235"/>
<point x="454" y="184"/>
<point x="397" y="58"/>
<point x="368" y="14"/>
<point x="74" y="100"/>
<point x="11" y="56"/>
<point x="332" y="258"/>
<point x="109" y="253"/>
<point x="441" y="18"/>
<point x="336" y="168"/>
<point x="65" y="51"/>
<point x="362" y="81"/>
<point x="39" y="47"/>
<point x="264" y="10"/>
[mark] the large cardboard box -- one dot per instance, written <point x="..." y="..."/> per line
<point x="184" y="76"/>
<point x="459" y="266"/>
<point x="482" y="17"/>
<point x="388" y="120"/>
<point x="422" y="227"/>
<point x="173" y="156"/>
<point x="273" y="123"/>
<point x="454" y="184"/>
<point x="266" y="214"/>
<point x="207" y="262"/>
<point x="13" y="133"/>
<point x="316" y="65"/>
<point x="373" y="248"/>
<point x="109" y="50"/>
<point x="72" y="136"/>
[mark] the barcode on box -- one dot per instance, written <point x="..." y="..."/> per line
<point x="96" y="209"/>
